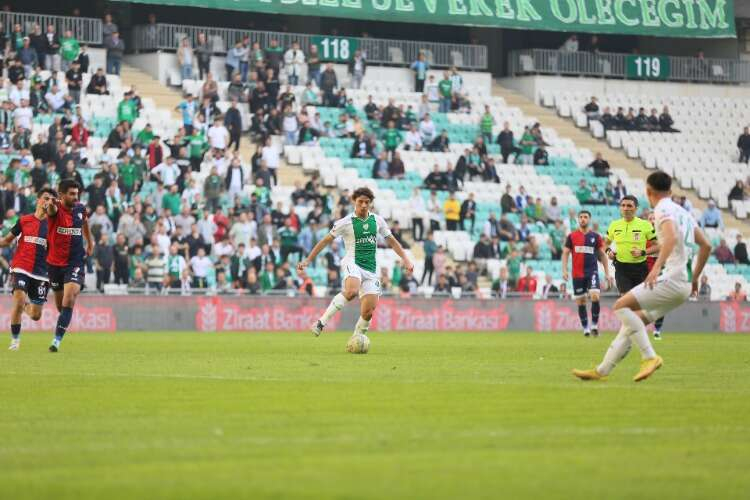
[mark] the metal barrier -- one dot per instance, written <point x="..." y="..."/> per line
<point x="86" y="29"/>
<point x="612" y="65"/>
<point x="379" y="51"/>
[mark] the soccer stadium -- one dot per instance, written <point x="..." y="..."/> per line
<point x="369" y="249"/>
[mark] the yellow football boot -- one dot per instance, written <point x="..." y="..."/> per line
<point x="648" y="367"/>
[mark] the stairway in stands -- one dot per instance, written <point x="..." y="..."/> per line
<point x="616" y="157"/>
<point x="168" y="98"/>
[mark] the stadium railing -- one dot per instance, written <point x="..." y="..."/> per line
<point x="162" y="36"/>
<point x="86" y="29"/>
<point x="614" y="65"/>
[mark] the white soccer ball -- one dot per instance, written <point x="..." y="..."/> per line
<point x="358" y="344"/>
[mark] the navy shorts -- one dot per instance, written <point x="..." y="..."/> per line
<point x="36" y="290"/>
<point x="59" y="276"/>
<point x="582" y="286"/>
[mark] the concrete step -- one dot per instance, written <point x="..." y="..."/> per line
<point x="582" y="138"/>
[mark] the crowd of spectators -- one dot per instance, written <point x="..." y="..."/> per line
<point x="639" y="121"/>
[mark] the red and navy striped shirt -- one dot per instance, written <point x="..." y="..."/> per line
<point x="583" y="246"/>
<point x="31" y="253"/>
<point x="66" y="236"/>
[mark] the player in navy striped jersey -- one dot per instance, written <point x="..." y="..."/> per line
<point x="29" y="265"/>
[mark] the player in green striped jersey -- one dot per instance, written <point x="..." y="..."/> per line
<point x="359" y="266"/>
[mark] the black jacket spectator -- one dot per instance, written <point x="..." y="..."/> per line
<point x="740" y="253"/>
<point x="600" y="167"/>
<point x="541" y="157"/>
<point x="666" y="122"/>
<point x="743" y="144"/>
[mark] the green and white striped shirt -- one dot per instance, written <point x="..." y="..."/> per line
<point x="360" y="238"/>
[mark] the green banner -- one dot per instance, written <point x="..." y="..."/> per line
<point x="669" y="18"/>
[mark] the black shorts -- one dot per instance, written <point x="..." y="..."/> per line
<point x="36" y="290"/>
<point x="582" y="286"/>
<point x="629" y="276"/>
<point x="59" y="276"/>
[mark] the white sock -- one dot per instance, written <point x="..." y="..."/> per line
<point x="637" y="331"/>
<point x="337" y="303"/>
<point x="618" y="349"/>
<point x="362" y="326"/>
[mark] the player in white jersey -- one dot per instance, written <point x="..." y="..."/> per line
<point x="359" y="266"/>
<point x="661" y="292"/>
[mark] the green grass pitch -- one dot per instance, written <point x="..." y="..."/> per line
<point x="424" y="415"/>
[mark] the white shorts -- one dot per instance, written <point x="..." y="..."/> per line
<point x="667" y="294"/>
<point x="369" y="283"/>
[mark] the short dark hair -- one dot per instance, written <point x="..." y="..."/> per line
<point x="51" y="192"/>
<point x="659" y="181"/>
<point x="363" y="191"/>
<point x="585" y="212"/>
<point x="68" y="184"/>
<point x="630" y="197"/>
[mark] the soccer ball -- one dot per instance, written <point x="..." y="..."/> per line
<point x="358" y="344"/>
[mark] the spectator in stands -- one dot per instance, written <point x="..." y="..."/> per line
<point x="652" y="124"/>
<point x="232" y="60"/>
<point x="592" y="109"/>
<point x="507" y="202"/>
<point x="313" y="66"/>
<point x="506" y="230"/>
<point x="528" y="143"/>
<point x="619" y="191"/>
<point x="420" y="68"/>
<point x="357" y="67"/>
<point x="704" y="291"/>
<point x="711" y="217"/>
<point x="28" y="57"/>
<point x="740" y="251"/>
<point x="486" y="124"/>
<point x="83" y="59"/>
<point x="527" y="285"/>
<point x="210" y="90"/>
<point x="380" y="166"/>
<point x="549" y="290"/>
<point x="398" y="234"/>
<point x="108" y="27"/>
<point x="600" y="166"/>
<point x="743" y="144"/>
<point x="629" y="120"/>
<point x="294" y="61"/>
<point x="666" y="121"/>
<point x="738" y="294"/>
<point x="115" y="50"/>
<point x="69" y="50"/>
<point x="641" y="121"/>
<point x="203" y="54"/>
<point x="506" y="143"/>
<point x="570" y="45"/>
<point x="435" y="180"/>
<point x="430" y="249"/>
<point x="435" y="210"/>
<point x="274" y="56"/>
<point x="441" y="143"/>
<point x="607" y="120"/>
<point x="328" y="83"/>
<point x="737" y="193"/>
<point x="468" y="213"/>
<point x="541" y="156"/>
<point x="723" y="253"/>
<point x="396" y="169"/>
<point x="427" y="129"/>
<point x="185" y="56"/>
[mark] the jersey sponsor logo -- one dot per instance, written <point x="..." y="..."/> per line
<point x="36" y="240"/>
<point x="365" y="226"/>
<point x="70" y="231"/>
<point x="367" y="239"/>
<point x="583" y="249"/>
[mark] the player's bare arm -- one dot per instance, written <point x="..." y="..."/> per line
<point x="319" y="247"/>
<point x="602" y="256"/>
<point x="704" y="252"/>
<point x="564" y="261"/>
<point x="652" y="250"/>
<point x="396" y="246"/>
<point x="666" y="246"/>
<point x="89" y="240"/>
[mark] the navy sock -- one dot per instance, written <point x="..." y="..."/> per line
<point x="595" y="312"/>
<point x="584" y="316"/>
<point x="15" y="331"/>
<point x="63" y="321"/>
<point x="658" y="323"/>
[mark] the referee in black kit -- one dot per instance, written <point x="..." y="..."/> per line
<point x="634" y="239"/>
